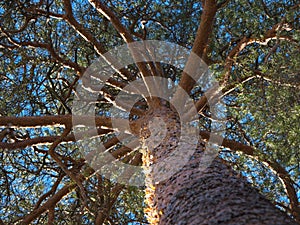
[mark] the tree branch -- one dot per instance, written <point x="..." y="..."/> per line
<point x="48" y="140"/>
<point x="51" y="216"/>
<point x="77" y="179"/>
<point x="199" y="48"/>
<point x="108" y="13"/>
<point x="51" y="202"/>
<point x="48" y="47"/>
<point x="245" y="41"/>
<point x="116" y="190"/>
<point x="37" y="121"/>
<point x="128" y="38"/>
<point x="270" y="35"/>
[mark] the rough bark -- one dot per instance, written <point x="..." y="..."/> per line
<point x="216" y="195"/>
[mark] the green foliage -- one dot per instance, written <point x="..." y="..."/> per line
<point x="262" y="94"/>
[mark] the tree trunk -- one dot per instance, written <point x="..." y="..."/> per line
<point x="216" y="195"/>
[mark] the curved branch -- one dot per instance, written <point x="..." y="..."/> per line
<point x="245" y="41"/>
<point x="66" y="62"/>
<point x="56" y="157"/>
<point x="51" y="202"/>
<point x="52" y="191"/>
<point x="23" y="27"/>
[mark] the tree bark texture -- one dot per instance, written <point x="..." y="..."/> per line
<point x="215" y="195"/>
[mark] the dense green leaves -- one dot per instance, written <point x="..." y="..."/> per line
<point x="43" y="53"/>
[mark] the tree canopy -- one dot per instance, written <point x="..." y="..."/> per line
<point x="252" y="47"/>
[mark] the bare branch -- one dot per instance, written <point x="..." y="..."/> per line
<point x="59" y="161"/>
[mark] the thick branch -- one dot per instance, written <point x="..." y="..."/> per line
<point x="205" y="28"/>
<point x="233" y="145"/>
<point x="37" y="121"/>
<point x="48" y="140"/>
<point x="199" y="48"/>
